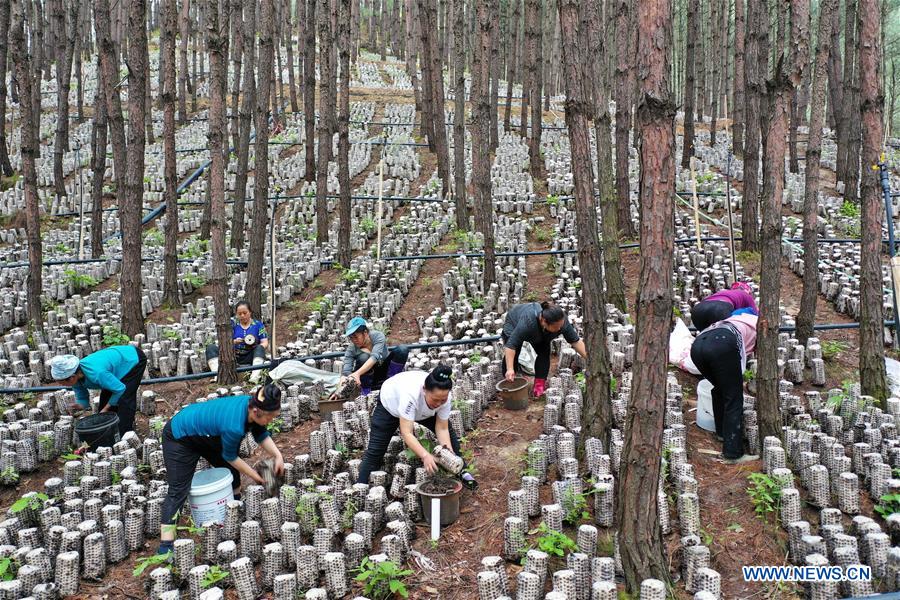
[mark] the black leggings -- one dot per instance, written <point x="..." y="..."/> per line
<point x="715" y="353"/>
<point x="541" y="363"/>
<point x="127" y="405"/>
<point x="212" y="351"/>
<point x="382" y="428"/>
<point x="181" y="457"/>
<point x="707" y="312"/>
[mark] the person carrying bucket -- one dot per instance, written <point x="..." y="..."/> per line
<point x="720" y="354"/>
<point x="538" y="324"/>
<point x="721" y="304"/>
<point x="408" y="398"/>
<point x="249" y="338"/>
<point x="115" y="371"/>
<point x="367" y="359"/>
<point x="214" y="430"/>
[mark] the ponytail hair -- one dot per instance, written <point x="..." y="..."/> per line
<point x="440" y="378"/>
<point x="551" y="312"/>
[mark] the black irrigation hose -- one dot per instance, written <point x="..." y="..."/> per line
<point x="424" y="345"/>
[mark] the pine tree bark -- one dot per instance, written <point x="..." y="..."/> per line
<point x="496" y="61"/>
<point x="853" y="124"/>
<point x="597" y="407"/>
<point x="835" y="75"/>
<point x="412" y="55"/>
<point x="640" y="536"/>
<point x="532" y="9"/>
<point x="64" y="22"/>
<point x="355" y="23"/>
<point x="5" y="165"/>
<point x="702" y="64"/>
<point x="689" y="79"/>
<point x="326" y="80"/>
<point x="806" y="317"/>
<point x="753" y="90"/>
<point x="624" y="83"/>
<point x="171" y="297"/>
<point x="459" y="117"/>
<point x="343" y="35"/>
<point x="787" y="77"/>
<point x="218" y="67"/>
<point x="98" y="169"/>
<point x="432" y="55"/>
<point x="245" y="118"/>
<point x="427" y="95"/>
<point x="716" y="36"/>
<point x="289" y="40"/>
<point x="237" y="57"/>
<point x="27" y="75"/>
<point x="738" y="104"/>
<point x="512" y="72"/>
<point x="309" y="94"/>
<point x="871" y="331"/>
<point x="537" y="83"/>
<point x="847" y="108"/>
<point x="185" y="32"/>
<point x="481" y="139"/>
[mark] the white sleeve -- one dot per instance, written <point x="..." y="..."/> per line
<point x="406" y="407"/>
<point x="444" y="411"/>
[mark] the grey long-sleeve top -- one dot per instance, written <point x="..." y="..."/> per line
<point x="352" y="354"/>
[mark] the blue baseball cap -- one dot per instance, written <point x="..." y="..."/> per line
<point x="354" y="324"/>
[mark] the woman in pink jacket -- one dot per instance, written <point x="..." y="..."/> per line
<point x="721" y="304"/>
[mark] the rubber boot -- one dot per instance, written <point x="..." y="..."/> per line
<point x="214" y="364"/>
<point x="539" y="385"/>
<point x="394" y="368"/>
<point x="255" y="375"/>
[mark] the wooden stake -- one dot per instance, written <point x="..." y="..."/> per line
<point x="380" y="202"/>
<point x="696" y="205"/>
<point x="272" y="275"/>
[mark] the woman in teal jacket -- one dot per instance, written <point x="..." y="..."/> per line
<point x="115" y="371"/>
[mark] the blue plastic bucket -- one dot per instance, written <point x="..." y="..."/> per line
<point x="209" y="496"/>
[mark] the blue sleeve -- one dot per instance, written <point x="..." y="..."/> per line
<point x="570" y="333"/>
<point x="231" y="442"/>
<point x="744" y="311"/>
<point x="108" y="381"/>
<point x="261" y="331"/>
<point x="82" y="396"/>
<point x="259" y="437"/>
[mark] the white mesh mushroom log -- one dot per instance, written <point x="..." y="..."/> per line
<point x="708" y="580"/>
<point x="604" y="590"/>
<point x="67" y="576"/>
<point x="603" y="568"/>
<point x="316" y="594"/>
<point x="580" y="564"/>
<point x="323" y="540"/>
<point x="212" y="535"/>
<point x="819" y="488"/>
<point x="790" y="506"/>
<point x="232" y="527"/>
<point x="251" y="540"/>
<point x="244" y="577"/>
<point x="287" y="501"/>
<point x="528" y="586"/>
<point x="796" y="531"/>
<point x="290" y="539"/>
<point x="564" y="582"/>
<point x="496" y="564"/>
<point x="271" y="518"/>
<point x="273" y="563"/>
<point x="695" y="558"/>
<point x="537" y="562"/>
<point x="689" y="514"/>
<point x="604" y="513"/>
<point x="354" y="550"/>
<point x="134" y="529"/>
<point x="653" y="589"/>
<point x="530" y="485"/>
<point x="514" y="541"/>
<point x="552" y="515"/>
<point x="215" y="593"/>
<point x="364" y="525"/>
<point x="848" y="493"/>
<point x="160" y="581"/>
<point x="307" y="567"/>
<point x="336" y="574"/>
<point x="94" y="556"/>
<point x="252" y="499"/>
<point x="285" y="586"/>
<point x="587" y="539"/>
<point x="488" y="585"/>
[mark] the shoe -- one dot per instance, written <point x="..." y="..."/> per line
<point x="746" y="458"/>
<point x="469" y="481"/>
<point x="214" y="365"/>
<point x="394" y="368"/>
<point x="255" y="375"/>
<point x="539" y="385"/>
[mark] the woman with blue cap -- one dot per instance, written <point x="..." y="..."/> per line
<point x="214" y="430"/>
<point x="115" y="371"/>
<point x="367" y="359"/>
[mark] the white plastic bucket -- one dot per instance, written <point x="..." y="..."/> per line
<point x="209" y="496"/>
<point x="705" y="416"/>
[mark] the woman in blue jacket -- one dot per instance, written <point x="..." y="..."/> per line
<point x="115" y="371"/>
<point x="214" y="430"/>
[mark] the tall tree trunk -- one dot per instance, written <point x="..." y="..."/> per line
<point x="27" y="75"/>
<point x="835" y="75"/>
<point x="355" y="22"/>
<point x="5" y="165"/>
<point x="689" y="91"/>
<point x="326" y="80"/>
<point x="218" y="69"/>
<point x="265" y="83"/>
<point x="427" y="95"/>
<point x="871" y="330"/>
<point x="537" y="83"/>
<point x="412" y="69"/>
<point x="806" y="318"/>
<point x="511" y="74"/>
<point x="237" y="57"/>
<point x="65" y="23"/>
<point x="847" y="108"/>
<point x="109" y="69"/>
<point x="702" y="64"/>
<point x="854" y="119"/>
<point x="754" y="82"/>
<point x="624" y="83"/>
<point x="98" y="169"/>
<point x="532" y="9"/>
<point x="787" y="77"/>
<point x="498" y="33"/>
<point x="643" y="553"/>
<point x="309" y="94"/>
<point x="167" y="62"/>
<point x="289" y="38"/>
<point x="248" y="101"/>
<point x="130" y="201"/>
<point x="481" y="139"/>
<point x="459" y="117"/>
<point x="597" y="406"/>
<point x="79" y="52"/>
<point x="716" y="35"/>
<point x="738" y="103"/>
<point x="185" y="32"/>
<point x="432" y="56"/>
<point x="343" y="36"/>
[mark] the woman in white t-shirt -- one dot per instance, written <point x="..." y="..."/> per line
<point x="407" y="398"/>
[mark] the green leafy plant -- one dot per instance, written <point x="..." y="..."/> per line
<point x="350" y="275"/>
<point x="47" y="442"/>
<point x="531" y="296"/>
<point x="887" y="505"/>
<point x="78" y="280"/>
<point x="9" y="568"/>
<point x="575" y="506"/>
<point x="33" y="502"/>
<point x="475" y="357"/>
<point x="154" y="237"/>
<point x="382" y="580"/>
<point x="367" y="225"/>
<point x="553" y="200"/>
<point x="581" y="381"/>
<point x="554" y="543"/>
<point x="9" y="475"/>
<point x="194" y="248"/>
<point x="194" y="279"/>
<point x="765" y="495"/>
<point x="142" y="564"/>
<point x="275" y="425"/>
<point x="476" y="302"/>
<point x="543" y="234"/>
<point x="171" y="334"/>
<point x="214" y="575"/>
<point x="749" y="375"/>
<point x="426" y="443"/>
<point x="62" y="248"/>
<point x="831" y="348"/>
<point x="113" y="336"/>
<point x="350" y="510"/>
<point x="850" y="209"/>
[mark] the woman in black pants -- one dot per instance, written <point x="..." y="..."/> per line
<point x="720" y="353"/>
<point x="407" y="398"/>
